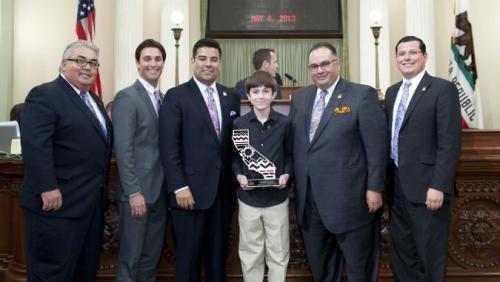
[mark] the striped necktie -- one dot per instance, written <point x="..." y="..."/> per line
<point x="156" y="93"/>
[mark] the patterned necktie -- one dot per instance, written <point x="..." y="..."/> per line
<point x="85" y="99"/>
<point x="156" y="93"/>
<point x="319" y="107"/>
<point x="212" y="109"/>
<point x="400" y="114"/>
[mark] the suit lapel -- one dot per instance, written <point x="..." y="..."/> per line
<point x="420" y="91"/>
<point x="224" y="107"/>
<point x="311" y="96"/>
<point x="199" y="102"/>
<point x="80" y="104"/>
<point x="107" y="121"/>
<point x="390" y="100"/>
<point x="144" y="96"/>
<point x="335" y="100"/>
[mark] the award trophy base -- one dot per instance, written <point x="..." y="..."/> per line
<point x="259" y="183"/>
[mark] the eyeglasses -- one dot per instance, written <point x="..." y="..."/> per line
<point x="322" y="65"/>
<point x="82" y="62"/>
<point x="411" y="53"/>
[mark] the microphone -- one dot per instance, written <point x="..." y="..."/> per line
<point x="278" y="79"/>
<point x="291" y="78"/>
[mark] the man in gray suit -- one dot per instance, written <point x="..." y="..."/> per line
<point x="143" y="210"/>
<point x="339" y="154"/>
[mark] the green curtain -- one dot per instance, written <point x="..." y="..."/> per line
<point x="345" y="41"/>
<point x="292" y="53"/>
<point x="292" y="57"/>
<point x="203" y="16"/>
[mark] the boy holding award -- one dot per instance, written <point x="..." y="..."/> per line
<point x="262" y="165"/>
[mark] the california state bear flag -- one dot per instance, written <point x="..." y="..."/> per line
<point x="462" y="69"/>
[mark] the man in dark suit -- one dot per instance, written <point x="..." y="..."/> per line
<point x="264" y="59"/>
<point x="339" y="153"/>
<point x="66" y="146"/>
<point x="196" y="121"/>
<point x="143" y="203"/>
<point x="424" y="119"/>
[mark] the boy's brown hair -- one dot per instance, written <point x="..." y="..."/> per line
<point x="258" y="79"/>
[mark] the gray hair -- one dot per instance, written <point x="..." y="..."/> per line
<point x="75" y="44"/>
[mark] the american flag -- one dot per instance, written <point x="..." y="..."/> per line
<point x="85" y="30"/>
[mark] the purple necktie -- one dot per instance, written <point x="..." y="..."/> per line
<point x="156" y="93"/>
<point x="319" y="107"/>
<point x="212" y="109"/>
<point x="400" y="115"/>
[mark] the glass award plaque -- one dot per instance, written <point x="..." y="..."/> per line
<point x="254" y="160"/>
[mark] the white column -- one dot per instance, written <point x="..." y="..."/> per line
<point x="6" y="55"/>
<point x="129" y="33"/>
<point x="167" y="39"/>
<point x="420" y="23"/>
<point x="367" y="47"/>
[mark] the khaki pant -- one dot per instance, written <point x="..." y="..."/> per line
<point x="264" y="237"/>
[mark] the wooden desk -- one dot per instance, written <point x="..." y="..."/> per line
<point x="286" y="91"/>
<point x="474" y="238"/>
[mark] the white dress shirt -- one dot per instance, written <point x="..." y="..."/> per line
<point x="98" y="113"/>
<point x="151" y="93"/>
<point x="203" y="90"/>
<point x="415" y="81"/>
<point x="327" y="96"/>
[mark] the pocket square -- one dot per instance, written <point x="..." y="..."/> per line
<point x="232" y="113"/>
<point x="342" y="110"/>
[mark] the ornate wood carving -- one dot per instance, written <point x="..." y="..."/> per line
<point x="478" y="186"/>
<point x="475" y="232"/>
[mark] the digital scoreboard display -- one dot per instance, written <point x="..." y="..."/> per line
<point x="233" y="18"/>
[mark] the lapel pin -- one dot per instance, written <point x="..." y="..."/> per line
<point x="424" y="89"/>
<point x="339" y="96"/>
<point x="224" y="93"/>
